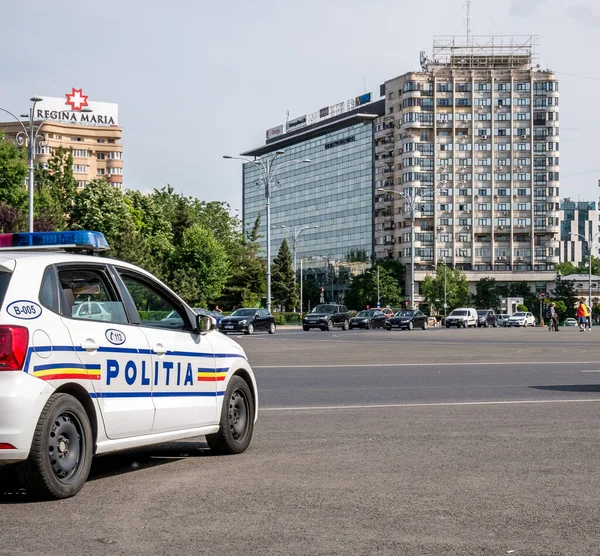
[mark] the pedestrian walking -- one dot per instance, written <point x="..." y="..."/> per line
<point x="581" y="315"/>
<point x="553" y="318"/>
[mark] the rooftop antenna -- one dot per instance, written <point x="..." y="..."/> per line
<point x="287" y="116"/>
<point x="365" y="83"/>
<point x="468" y="3"/>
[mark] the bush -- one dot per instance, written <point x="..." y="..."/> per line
<point x="522" y="308"/>
<point x="281" y="319"/>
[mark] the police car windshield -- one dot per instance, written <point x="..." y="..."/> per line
<point x="243" y="313"/>
<point x="520" y="315"/>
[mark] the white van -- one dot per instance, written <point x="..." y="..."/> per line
<point x="466" y="316"/>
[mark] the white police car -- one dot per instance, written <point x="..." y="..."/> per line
<point x="87" y="367"/>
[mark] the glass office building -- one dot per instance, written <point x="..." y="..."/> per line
<point x="334" y="191"/>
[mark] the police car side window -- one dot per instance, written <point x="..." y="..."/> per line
<point x="154" y="307"/>
<point x="49" y="291"/>
<point x="88" y="295"/>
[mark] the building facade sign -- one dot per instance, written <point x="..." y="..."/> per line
<point x="322" y="114"/>
<point x="275" y="132"/>
<point x="72" y="109"/>
<point x="296" y="123"/>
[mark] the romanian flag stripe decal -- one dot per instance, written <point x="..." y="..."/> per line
<point x="67" y="371"/>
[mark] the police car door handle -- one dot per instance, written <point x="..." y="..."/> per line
<point x="160" y="349"/>
<point x="89" y="345"/>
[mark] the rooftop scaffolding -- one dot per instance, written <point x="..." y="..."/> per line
<point x="483" y="52"/>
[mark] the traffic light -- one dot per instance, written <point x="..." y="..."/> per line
<point x="322" y="290"/>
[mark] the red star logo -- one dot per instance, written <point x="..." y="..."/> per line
<point x="76" y="99"/>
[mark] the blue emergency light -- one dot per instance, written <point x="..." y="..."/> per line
<point x="79" y="239"/>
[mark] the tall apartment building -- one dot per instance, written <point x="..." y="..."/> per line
<point x="94" y="136"/>
<point x="474" y="136"/>
<point x="579" y="223"/>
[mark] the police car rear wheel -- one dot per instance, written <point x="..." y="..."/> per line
<point x="61" y="452"/>
<point x="237" y="420"/>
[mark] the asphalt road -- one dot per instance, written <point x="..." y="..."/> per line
<point x="471" y="442"/>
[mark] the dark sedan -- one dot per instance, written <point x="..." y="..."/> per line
<point x="407" y="320"/>
<point x="368" y="319"/>
<point x="248" y="321"/>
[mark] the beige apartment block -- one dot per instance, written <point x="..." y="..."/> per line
<point x="474" y="136"/>
<point x="97" y="150"/>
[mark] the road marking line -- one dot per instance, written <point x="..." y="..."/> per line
<point x="432" y="404"/>
<point x="463" y="364"/>
<point x="590" y="371"/>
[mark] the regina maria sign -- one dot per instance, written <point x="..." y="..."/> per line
<point x="74" y="108"/>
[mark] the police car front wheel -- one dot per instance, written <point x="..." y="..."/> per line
<point x="237" y="420"/>
<point x="61" y="451"/>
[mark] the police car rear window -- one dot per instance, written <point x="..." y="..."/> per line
<point x="4" y="281"/>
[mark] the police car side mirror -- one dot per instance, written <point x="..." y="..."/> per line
<point x="205" y="323"/>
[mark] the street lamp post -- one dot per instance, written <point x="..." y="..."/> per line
<point x="268" y="171"/>
<point x="590" y="244"/>
<point x="295" y="237"/>
<point x="412" y="201"/>
<point x="443" y="261"/>
<point x="31" y="138"/>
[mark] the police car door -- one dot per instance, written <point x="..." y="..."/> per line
<point x="184" y="373"/>
<point x="93" y="312"/>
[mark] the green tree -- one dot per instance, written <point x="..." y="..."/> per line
<point x="363" y="289"/>
<point x="13" y="172"/>
<point x="12" y="219"/>
<point x="457" y="289"/>
<point x="486" y="296"/>
<point x="564" y="291"/>
<point x="283" y="279"/>
<point x="311" y="294"/>
<point x="246" y="285"/>
<point x="567" y="268"/>
<point x="105" y="209"/>
<point x="200" y="267"/>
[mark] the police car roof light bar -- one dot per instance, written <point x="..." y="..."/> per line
<point x="84" y="240"/>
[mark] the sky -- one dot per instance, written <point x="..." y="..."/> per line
<point x="195" y="80"/>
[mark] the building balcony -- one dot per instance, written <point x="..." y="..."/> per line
<point x="410" y="125"/>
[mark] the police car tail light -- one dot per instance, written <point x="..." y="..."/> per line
<point x="13" y="347"/>
<point x="6" y="446"/>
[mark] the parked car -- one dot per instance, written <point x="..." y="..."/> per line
<point x="92" y="310"/>
<point x="370" y="318"/>
<point x="502" y="319"/>
<point x="407" y="319"/>
<point x="326" y="316"/>
<point x="463" y="317"/>
<point x="486" y="318"/>
<point x="387" y="312"/>
<point x="174" y="320"/>
<point x="570" y="322"/>
<point x="247" y="321"/>
<point x="521" y="319"/>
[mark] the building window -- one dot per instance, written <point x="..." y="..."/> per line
<point x="80" y="168"/>
<point x="80" y="153"/>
